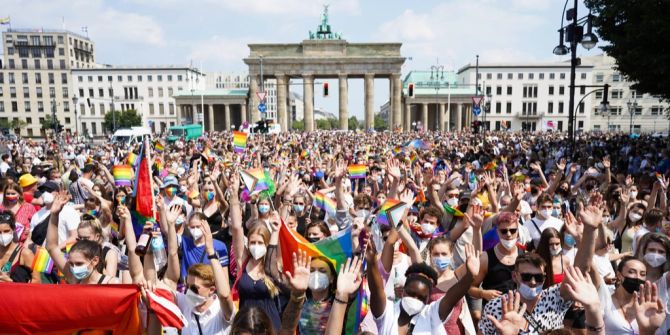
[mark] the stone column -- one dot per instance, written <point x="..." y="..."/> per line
<point x="243" y="114"/>
<point x="448" y="117"/>
<point x="407" y="116"/>
<point x="281" y="101"/>
<point x="194" y="115"/>
<point x="179" y="114"/>
<point x="440" y="117"/>
<point x="459" y="115"/>
<point x="344" y="101"/>
<point x="226" y="117"/>
<point x="308" y="101"/>
<point x="253" y="98"/>
<point x="369" y="82"/>
<point x="389" y="116"/>
<point x="210" y="115"/>
<point x="397" y="93"/>
<point x="424" y="115"/>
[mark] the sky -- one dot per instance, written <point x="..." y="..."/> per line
<point x="213" y="34"/>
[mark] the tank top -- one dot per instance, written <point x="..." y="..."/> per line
<point x="558" y="277"/>
<point x="498" y="275"/>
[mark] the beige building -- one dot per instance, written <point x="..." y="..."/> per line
<point x="35" y="76"/>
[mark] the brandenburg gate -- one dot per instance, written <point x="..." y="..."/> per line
<point x="326" y="55"/>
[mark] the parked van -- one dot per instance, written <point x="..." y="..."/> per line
<point x="186" y="132"/>
<point x="131" y="136"/>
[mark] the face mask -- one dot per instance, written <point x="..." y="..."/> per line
<point x="555" y="251"/>
<point x="195" y="299"/>
<point x="209" y="195"/>
<point x="80" y="272"/>
<point x="257" y="251"/>
<point x="170" y="191"/>
<point x="93" y="212"/>
<point x="318" y="281"/>
<point x="298" y="208"/>
<point x="6" y="239"/>
<point x="442" y="263"/>
<point x="412" y="306"/>
<point x="554" y="213"/>
<point x="11" y="198"/>
<point x="47" y="198"/>
<point x="546" y="213"/>
<point x="528" y="292"/>
<point x="654" y="259"/>
<point x="183" y="189"/>
<point x="196" y="233"/>
<point x="362" y="213"/>
<point x="180" y="221"/>
<point x="633" y="195"/>
<point x="631" y="284"/>
<point x="427" y="228"/>
<point x="634" y="217"/>
<point x="508" y="244"/>
<point x="263" y="208"/>
<point x="569" y="240"/>
<point x="453" y="202"/>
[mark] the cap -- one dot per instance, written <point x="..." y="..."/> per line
<point x="49" y="186"/>
<point x="27" y="180"/>
<point x="170" y="181"/>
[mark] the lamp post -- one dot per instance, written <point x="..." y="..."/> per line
<point x="76" y="119"/>
<point x="437" y="73"/>
<point x="632" y="107"/>
<point x="574" y="34"/>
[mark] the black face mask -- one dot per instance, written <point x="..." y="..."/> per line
<point x="632" y="284"/>
<point x="312" y="239"/>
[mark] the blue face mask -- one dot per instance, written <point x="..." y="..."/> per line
<point x="80" y="272"/>
<point x="298" y="208"/>
<point x="554" y="213"/>
<point x="180" y="221"/>
<point x="569" y="240"/>
<point x="263" y="208"/>
<point x="442" y="263"/>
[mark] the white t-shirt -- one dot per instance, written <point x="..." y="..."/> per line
<point x="4" y="167"/>
<point x="541" y="225"/>
<point x="664" y="295"/>
<point x="638" y="234"/>
<point x="211" y="321"/>
<point x="427" y="322"/>
<point x="68" y="220"/>
<point x="614" y="321"/>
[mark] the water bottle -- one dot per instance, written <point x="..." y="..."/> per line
<point x="158" y="249"/>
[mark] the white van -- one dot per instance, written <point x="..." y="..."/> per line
<point x="127" y="137"/>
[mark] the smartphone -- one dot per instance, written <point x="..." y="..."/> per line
<point x="362" y="237"/>
<point x="565" y="207"/>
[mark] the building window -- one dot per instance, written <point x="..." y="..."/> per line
<point x="161" y="109"/>
<point x="81" y="92"/>
<point x="159" y="77"/>
<point x="531" y="76"/>
<point x="50" y="64"/>
<point x="599" y="95"/>
<point x="170" y="91"/>
<point x="552" y="76"/>
<point x="66" y="106"/>
<point x="101" y="92"/>
<point x="541" y="75"/>
<point x="616" y="77"/>
<point x="638" y="111"/>
<point x="617" y="94"/>
<point x="102" y="109"/>
<point x="561" y="90"/>
<point x="130" y="78"/>
<point x="160" y="92"/>
<point x="65" y="92"/>
<point x="509" y="90"/>
<point x="90" y="93"/>
<point x="82" y="109"/>
<point x="498" y="107"/>
<point x="38" y="65"/>
<point x="150" y="78"/>
<point x="12" y="92"/>
<point x="582" y="90"/>
<point x="80" y="79"/>
<point x="119" y="78"/>
<point x="52" y="92"/>
<point x="656" y="110"/>
<point x="51" y="79"/>
<point x="139" y="78"/>
<point x="581" y="108"/>
<point x="89" y="78"/>
<point x="600" y="77"/>
<point x="169" y="77"/>
<point x="550" y="108"/>
<point x="489" y="76"/>
<point x="530" y="91"/>
<point x="151" y="92"/>
<point x="583" y="76"/>
<point x="94" y="128"/>
<point x="508" y="108"/>
<point x="15" y="107"/>
<point x="24" y="78"/>
<point x="40" y="106"/>
<point x="519" y="76"/>
<point x="151" y="109"/>
<point x="499" y="76"/>
<point x="61" y="64"/>
<point x="479" y="76"/>
<point x="562" y="75"/>
<point x="560" y="107"/>
<point x="634" y="95"/>
<point x="551" y="90"/>
<point x="38" y="92"/>
<point x="99" y="79"/>
<point x="488" y="90"/>
<point x="510" y="76"/>
<point x="560" y="125"/>
<point x="499" y="90"/>
<point x="11" y="78"/>
<point x="110" y="78"/>
<point x="171" y="109"/>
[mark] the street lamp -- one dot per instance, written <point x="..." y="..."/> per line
<point x="76" y="119"/>
<point x="632" y="107"/>
<point x="437" y="73"/>
<point x="574" y="34"/>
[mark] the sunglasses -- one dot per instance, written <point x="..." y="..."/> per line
<point x="5" y="217"/>
<point x="527" y="277"/>
<point x="85" y="217"/>
<point x="511" y="231"/>
<point x="83" y="238"/>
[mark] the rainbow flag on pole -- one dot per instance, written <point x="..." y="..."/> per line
<point x="254" y="179"/>
<point x="391" y="212"/>
<point x="158" y="146"/>
<point x="357" y="171"/>
<point x="325" y="203"/>
<point x="122" y="175"/>
<point x="42" y="262"/>
<point x="132" y="159"/>
<point x="240" y="141"/>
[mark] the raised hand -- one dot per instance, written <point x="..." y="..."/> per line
<point x="275" y="221"/>
<point x="591" y="216"/>
<point x="60" y="200"/>
<point x="393" y="169"/>
<point x="573" y="168"/>
<point x="536" y="166"/>
<point x="649" y="309"/>
<point x="606" y="162"/>
<point x="475" y="215"/>
<point x="173" y="213"/>
<point x="340" y="169"/>
<point x="472" y="259"/>
<point x="207" y="233"/>
<point x="560" y="165"/>
<point x="581" y="287"/>
<point x="299" y="280"/>
<point x="407" y="196"/>
<point x="349" y="278"/>
<point x="234" y="182"/>
<point x="518" y="191"/>
<point x="512" y="320"/>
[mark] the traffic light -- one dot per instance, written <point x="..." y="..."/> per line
<point x="410" y="90"/>
<point x="475" y="126"/>
<point x="325" y="89"/>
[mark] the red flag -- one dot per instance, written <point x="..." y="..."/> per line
<point x="144" y="195"/>
<point x="65" y="309"/>
<point x="166" y="310"/>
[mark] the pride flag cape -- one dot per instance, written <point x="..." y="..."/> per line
<point x="122" y="175"/>
<point x="356" y="171"/>
<point x="107" y="308"/>
<point x="336" y="248"/>
<point x="239" y="141"/>
<point x="391" y="212"/>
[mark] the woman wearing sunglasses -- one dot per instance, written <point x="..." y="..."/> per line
<point x="84" y="258"/>
<point x="15" y="260"/>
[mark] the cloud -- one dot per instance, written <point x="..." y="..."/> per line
<point x="289" y="7"/>
<point x="219" y="52"/>
<point x="409" y="26"/>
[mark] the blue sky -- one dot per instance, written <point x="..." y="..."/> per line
<point x="215" y="33"/>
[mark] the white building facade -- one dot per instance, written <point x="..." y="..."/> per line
<point x="533" y="97"/>
<point x="146" y="89"/>
<point x="223" y="80"/>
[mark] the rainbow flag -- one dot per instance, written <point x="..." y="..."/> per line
<point x="122" y="175"/>
<point x="391" y="212"/>
<point x="491" y="166"/>
<point x="413" y="157"/>
<point x="335" y="248"/>
<point x="304" y="154"/>
<point x="239" y="141"/>
<point x="419" y="144"/>
<point x="325" y="203"/>
<point x="453" y="211"/>
<point x="115" y="227"/>
<point x="254" y="179"/>
<point x="158" y="146"/>
<point x="132" y="159"/>
<point x="356" y="171"/>
<point x="356" y="315"/>
<point x="42" y="262"/>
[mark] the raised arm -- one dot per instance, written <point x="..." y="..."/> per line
<point x="298" y="281"/>
<point x="52" y="235"/>
<point x="134" y="262"/>
<point x="348" y="282"/>
<point x="560" y="167"/>
<point x="173" y="269"/>
<point x="340" y="171"/>
<point x="236" y="220"/>
<point x="375" y="282"/>
<point x="458" y="291"/>
<point x="220" y="276"/>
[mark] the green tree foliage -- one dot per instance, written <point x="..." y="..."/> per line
<point x="380" y="123"/>
<point x="124" y="119"/>
<point x="636" y="35"/>
<point x="353" y="123"/>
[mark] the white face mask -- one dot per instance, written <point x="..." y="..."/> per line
<point x="257" y="251"/>
<point x="47" y="198"/>
<point x="195" y="299"/>
<point x="546" y="213"/>
<point x="196" y="233"/>
<point x="318" y="281"/>
<point x="555" y="251"/>
<point x="412" y="306"/>
<point x="427" y="228"/>
<point x="633" y="195"/>
<point x="508" y="244"/>
<point x="634" y="217"/>
<point x="453" y="202"/>
<point x="528" y="292"/>
<point x="6" y="239"/>
<point x="654" y="259"/>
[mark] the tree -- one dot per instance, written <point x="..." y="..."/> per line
<point x="17" y="125"/>
<point x="353" y="123"/>
<point x="380" y="123"/>
<point x="298" y="125"/>
<point x="124" y="119"/>
<point x="47" y="123"/>
<point x="323" y="124"/>
<point x="636" y="32"/>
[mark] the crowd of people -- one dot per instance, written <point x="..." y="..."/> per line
<point x="501" y="232"/>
